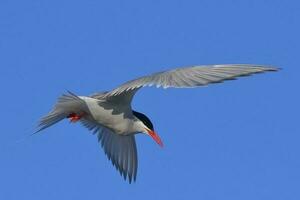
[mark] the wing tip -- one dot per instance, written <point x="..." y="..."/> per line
<point x="262" y="66"/>
<point x="272" y="68"/>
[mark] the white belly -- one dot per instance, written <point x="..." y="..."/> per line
<point x="117" y="118"/>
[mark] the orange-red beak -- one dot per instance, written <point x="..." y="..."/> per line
<point x="155" y="137"/>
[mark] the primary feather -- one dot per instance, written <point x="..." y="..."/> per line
<point x="191" y="77"/>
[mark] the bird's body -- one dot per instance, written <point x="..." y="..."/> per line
<point x="117" y="117"/>
<point x="110" y="116"/>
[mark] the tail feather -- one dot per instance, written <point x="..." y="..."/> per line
<point x="49" y="120"/>
<point x="66" y="104"/>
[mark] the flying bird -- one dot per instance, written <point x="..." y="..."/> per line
<point x="110" y="116"/>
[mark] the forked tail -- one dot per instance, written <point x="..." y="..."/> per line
<point x="66" y="105"/>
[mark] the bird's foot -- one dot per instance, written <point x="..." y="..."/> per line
<point x="74" y="117"/>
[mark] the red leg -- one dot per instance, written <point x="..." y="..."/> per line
<point x="74" y="117"/>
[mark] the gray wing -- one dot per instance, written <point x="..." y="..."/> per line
<point x="121" y="150"/>
<point x="188" y="77"/>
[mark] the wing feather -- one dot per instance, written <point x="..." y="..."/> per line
<point x="121" y="150"/>
<point x="189" y="77"/>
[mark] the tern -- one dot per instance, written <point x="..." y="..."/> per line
<point x="110" y="116"/>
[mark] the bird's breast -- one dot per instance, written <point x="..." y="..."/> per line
<point x="118" y="118"/>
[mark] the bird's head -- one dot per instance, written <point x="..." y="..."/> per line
<point x="147" y="127"/>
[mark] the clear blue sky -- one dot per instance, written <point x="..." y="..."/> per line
<point x="237" y="140"/>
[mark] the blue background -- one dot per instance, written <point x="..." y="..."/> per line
<point x="237" y="140"/>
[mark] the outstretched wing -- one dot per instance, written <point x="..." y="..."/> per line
<point x="121" y="150"/>
<point x="188" y="77"/>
